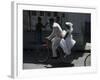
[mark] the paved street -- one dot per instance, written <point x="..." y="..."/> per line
<point x="33" y="52"/>
<point x="76" y="62"/>
<point x="76" y="59"/>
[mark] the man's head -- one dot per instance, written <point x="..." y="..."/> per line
<point x="55" y="24"/>
<point x="57" y="19"/>
<point x="51" y="21"/>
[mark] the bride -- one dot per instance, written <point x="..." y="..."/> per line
<point x="67" y="42"/>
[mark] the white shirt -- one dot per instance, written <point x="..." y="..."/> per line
<point x="57" y="31"/>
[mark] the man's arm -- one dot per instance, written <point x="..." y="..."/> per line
<point x="52" y="35"/>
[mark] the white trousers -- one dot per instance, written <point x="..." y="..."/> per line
<point x="55" y="44"/>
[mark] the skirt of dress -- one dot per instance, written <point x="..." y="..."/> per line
<point x="67" y="44"/>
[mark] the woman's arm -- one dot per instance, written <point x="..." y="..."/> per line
<point x="71" y="29"/>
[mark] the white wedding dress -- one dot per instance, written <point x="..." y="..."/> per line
<point x="67" y="44"/>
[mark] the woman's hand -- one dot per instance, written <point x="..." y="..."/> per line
<point x="47" y="38"/>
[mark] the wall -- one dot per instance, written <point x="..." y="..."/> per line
<point x="5" y="39"/>
<point x="78" y="19"/>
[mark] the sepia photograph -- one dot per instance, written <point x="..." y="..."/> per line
<point x="54" y="39"/>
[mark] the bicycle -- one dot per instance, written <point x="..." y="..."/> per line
<point x="45" y="49"/>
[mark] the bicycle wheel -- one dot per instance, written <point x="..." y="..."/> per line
<point x="87" y="61"/>
<point x="44" y="55"/>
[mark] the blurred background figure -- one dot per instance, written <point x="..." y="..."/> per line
<point x="38" y="31"/>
